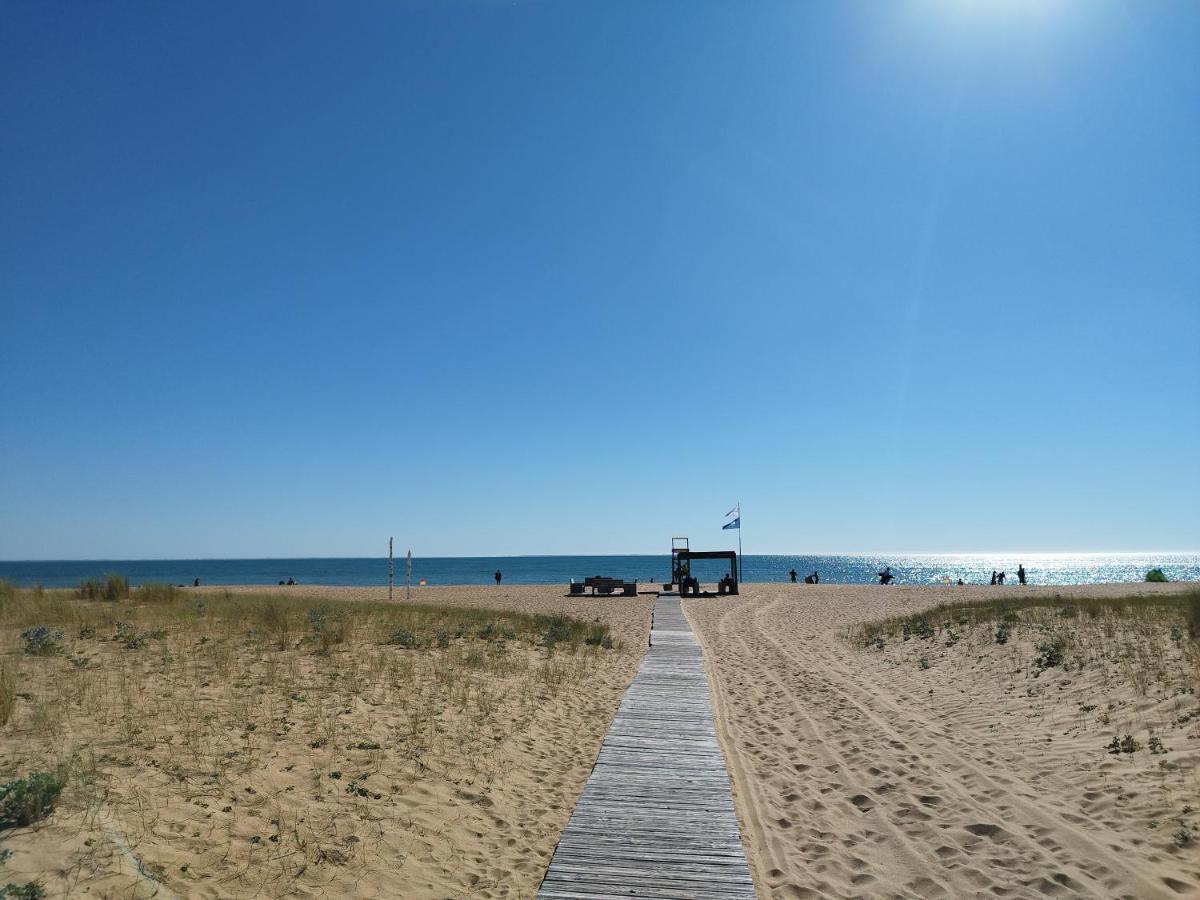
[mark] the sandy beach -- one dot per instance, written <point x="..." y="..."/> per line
<point x="212" y="765"/>
<point x="211" y="761"/>
<point x="926" y="770"/>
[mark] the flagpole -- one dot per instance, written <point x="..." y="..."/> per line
<point x="739" y="542"/>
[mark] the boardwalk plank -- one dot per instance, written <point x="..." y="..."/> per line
<point x="656" y="818"/>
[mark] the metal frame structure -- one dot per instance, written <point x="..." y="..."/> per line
<point x="681" y="566"/>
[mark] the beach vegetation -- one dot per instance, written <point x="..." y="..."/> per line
<point x="9" y="676"/>
<point x="157" y="593"/>
<point x="1156" y="575"/>
<point x="229" y="699"/>
<point x="404" y="638"/>
<point x="1050" y="654"/>
<point x="24" y="801"/>
<point x="128" y="636"/>
<point x="112" y="588"/>
<point x="31" y="890"/>
<point x="1023" y="609"/>
<point x="41" y="640"/>
<point x="1125" y="744"/>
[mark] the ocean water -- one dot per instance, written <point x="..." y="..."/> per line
<point x="1065" y="568"/>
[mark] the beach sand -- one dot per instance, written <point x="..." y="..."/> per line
<point x="239" y="775"/>
<point x="861" y="772"/>
<point x="857" y="771"/>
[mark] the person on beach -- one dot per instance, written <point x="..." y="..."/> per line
<point x="960" y="582"/>
<point x="1021" y="573"/>
<point x="993" y="577"/>
<point x="196" y="583"/>
<point x="816" y="578"/>
<point x="885" y="577"/>
<point x="1000" y="578"/>
<point x="793" y="575"/>
<point x="497" y="576"/>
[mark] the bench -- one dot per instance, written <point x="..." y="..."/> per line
<point x="605" y="586"/>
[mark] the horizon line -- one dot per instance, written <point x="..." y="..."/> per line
<point x="1026" y="553"/>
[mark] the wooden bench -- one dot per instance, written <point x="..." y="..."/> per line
<point x="605" y="586"/>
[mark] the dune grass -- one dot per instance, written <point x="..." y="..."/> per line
<point x="1151" y="642"/>
<point x="1182" y="610"/>
<point x="174" y="699"/>
<point x="285" y="621"/>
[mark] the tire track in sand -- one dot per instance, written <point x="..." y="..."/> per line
<point x="835" y="801"/>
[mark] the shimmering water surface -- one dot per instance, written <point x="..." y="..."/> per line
<point x="1067" y="568"/>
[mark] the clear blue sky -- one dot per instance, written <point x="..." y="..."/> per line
<point x="287" y="278"/>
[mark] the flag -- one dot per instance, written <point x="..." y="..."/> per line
<point x="736" y="523"/>
<point x="736" y="511"/>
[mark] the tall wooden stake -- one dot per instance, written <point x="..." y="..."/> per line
<point x="391" y="570"/>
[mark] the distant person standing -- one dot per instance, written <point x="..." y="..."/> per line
<point x="793" y="575"/>
<point x="993" y="576"/>
<point x="816" y="577"/>
<point x="497" y="576"/>
<point x="196" y="583"/>
<point x="1021" y="573"/>
<point x="1000" y="578"/>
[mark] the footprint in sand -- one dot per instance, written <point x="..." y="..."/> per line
<point x="1179" y="887"/>
<point x="988" y="830"/>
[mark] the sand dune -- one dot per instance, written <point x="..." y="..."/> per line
<point x="256" y="772"/>
<point x="859" y="773"/>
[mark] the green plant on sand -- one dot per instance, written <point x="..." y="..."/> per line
<point x="24" y="801"/>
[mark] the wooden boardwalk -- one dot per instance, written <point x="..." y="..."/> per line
<point x="656" y="817"/>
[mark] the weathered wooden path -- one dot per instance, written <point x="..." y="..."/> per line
<point x="656" y="817"/>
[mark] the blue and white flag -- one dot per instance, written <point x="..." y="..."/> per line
<point x="736" y="511"/>
<point x="736" y="523"/>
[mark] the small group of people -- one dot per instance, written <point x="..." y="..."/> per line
<point x="814" y="578"/>
<point x="886" y="577"/>
<point x="289" y="581"/>
<point x="998" y="577"/>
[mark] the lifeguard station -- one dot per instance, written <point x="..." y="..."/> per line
<point x="681" y="568"/>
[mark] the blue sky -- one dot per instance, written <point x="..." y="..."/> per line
<point x="285" y="279"/>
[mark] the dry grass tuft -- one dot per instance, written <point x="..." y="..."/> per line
<point x="267" y="745"/>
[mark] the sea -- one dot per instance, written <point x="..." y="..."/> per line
<point x="1042" y="568"/>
